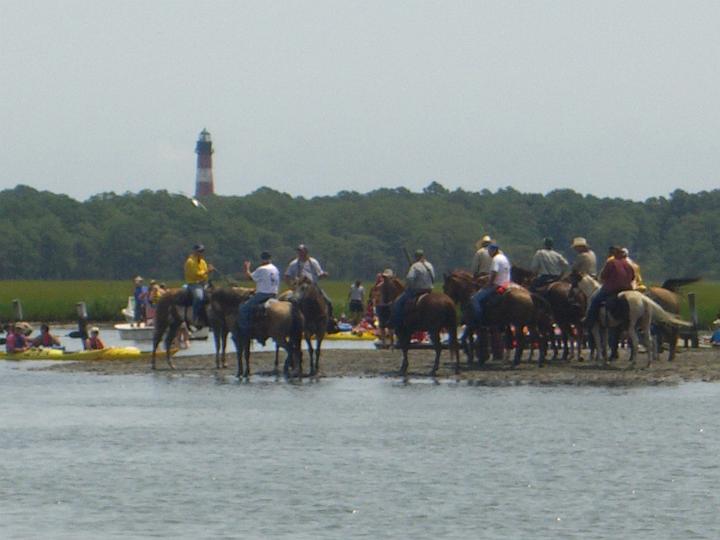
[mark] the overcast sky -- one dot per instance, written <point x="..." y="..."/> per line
<point x="611" y="98"/>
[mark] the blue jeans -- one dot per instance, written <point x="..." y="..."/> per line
<point x="594" y="308"/>
<point x="198" y="297"/>
<point x="478" y="302"/>
<point x="246" y="310"/>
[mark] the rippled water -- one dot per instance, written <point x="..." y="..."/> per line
<point x="182" y="456"/>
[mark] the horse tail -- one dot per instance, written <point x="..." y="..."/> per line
<point x="674" y="284"/>
<point x="662" y="316"/>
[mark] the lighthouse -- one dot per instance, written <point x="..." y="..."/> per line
<point x="204" y="184"/>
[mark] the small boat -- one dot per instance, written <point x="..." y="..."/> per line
<point x="109" y="353"/>
<point x="144" y="332"/>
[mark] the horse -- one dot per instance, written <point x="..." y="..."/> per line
<point x="568" y="307"/>
<point x="314" y="308"/>
<point x="174" y="307"/>
<point x="382" y="310"/>
<point x="633" y="308"/>
<point x="222" y="316"/>
<point x="517" y="307"/>
<point x="431" y="312"/>
<point x="283" y="322"/>
<point x="667" y="295"/>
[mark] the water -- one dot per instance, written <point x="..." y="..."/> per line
<point x="111" y="338"/>
<point x="186" y="456"/>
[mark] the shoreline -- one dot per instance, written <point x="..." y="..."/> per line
<point x="700" y="365"/>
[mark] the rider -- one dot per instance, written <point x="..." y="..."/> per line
<point x="499" y="277"/>
<point x="304" y="265"/>
<point x="616" y="276"/>
<point x="419" y="279"/>
<point x="267" y="281"/>
<point x="638" y="284"/>
<point x="547" y="264"/>
<point x="482" y="260"/>
<point x="586" y="260"/>
<point x="197" y="271"/>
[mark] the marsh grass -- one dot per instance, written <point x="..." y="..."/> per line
<point x="55" y="300"/>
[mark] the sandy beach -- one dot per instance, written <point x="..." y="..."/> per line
<point x="690" y="365"/>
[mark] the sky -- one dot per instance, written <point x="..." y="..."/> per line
<point x="612" y="98"/>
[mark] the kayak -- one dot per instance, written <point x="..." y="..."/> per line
<point x="350" y="336"/>
<point x="110" y="353"/>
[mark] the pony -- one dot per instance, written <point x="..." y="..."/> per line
<point x="517" y="307"/>
<point x="283" y="322"/>
<point x="223" y="312"/>
<point x="431" y="312"/>
<point x="315" y="311"/>
<point x="173" y="308"/>
<point x="667" y="295"/>
<point x="632" y="309"/>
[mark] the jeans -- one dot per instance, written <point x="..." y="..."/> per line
<point x="478" y="302"/>
<point x="592" y="313"/>
<point x="198" y="297"/>
<point x="246" y="310"/>
<point x="398" y="307"/>
<point x="543" y="280"/>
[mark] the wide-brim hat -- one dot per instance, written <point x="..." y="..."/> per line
<point x="199" y="248"/>
<point x="484" y="241"/>
<point x="579" y="241"/>
<point x="388" y="273"/>
<point x="716" y="323"/>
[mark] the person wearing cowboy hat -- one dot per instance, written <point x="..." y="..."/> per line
<point x="197" y="273"/>
<point x="305" y="265"/>
<point x="547" y="264"/>
<point x="267" y="282"/>
<point x="586" y="261"/>
<point x="419" y="280"/>
<point x="481" y="260"/>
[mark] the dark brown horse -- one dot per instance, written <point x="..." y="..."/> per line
<point x="315" y="311"/>
<point x="283" y="322"/>
<point x="667" y="295"/>
<point x="223" y="313"/>
<point x="432" y="312"/>
<point x="516" y="308"/>
<point x="173" y="308"/>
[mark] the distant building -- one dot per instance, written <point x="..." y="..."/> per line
<point x="204" y="184"/>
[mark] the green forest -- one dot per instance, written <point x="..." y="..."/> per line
<point x="353" y="235"/>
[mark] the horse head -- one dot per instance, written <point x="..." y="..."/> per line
<point x="459" y="285"/>
<point x="521" y="276"/>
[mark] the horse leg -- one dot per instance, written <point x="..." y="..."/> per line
<point x="437" y="345"/>
<point x="157" y="338"/>
<point x="318" y="346"/>
<point x="169" y="337"/>
<point x="239" y="348"/>
<point x="453" y="347"/>
<point x="600" y="343"/>
<point x="404" y="342"/>
<point x="520" y="342"/>
<point x="311" y="353"/>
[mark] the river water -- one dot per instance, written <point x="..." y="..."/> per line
<point x="188" y="457"/>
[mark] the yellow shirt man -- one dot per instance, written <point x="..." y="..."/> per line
<point x="196" y="269"/>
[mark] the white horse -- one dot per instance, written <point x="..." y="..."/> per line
<point x="642" y="311"/>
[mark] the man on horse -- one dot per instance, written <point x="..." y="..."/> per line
<point x="499" y="277"/>
<point x="547" y="264"/>
<point x="586" y="261"/>
<point x="481" y="260"/>
<point x="197" y="272"/>
<point x="267" y="282"/>
<point x="304" y="265"/>
<point x="419" y="280"/>
<point x="616" y="276"/>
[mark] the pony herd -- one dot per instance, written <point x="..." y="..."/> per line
<point x="549" y="318"/>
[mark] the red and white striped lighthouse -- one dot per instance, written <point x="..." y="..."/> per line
<point x="204" y="184"/>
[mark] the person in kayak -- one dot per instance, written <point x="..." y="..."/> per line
<point x="45" y="339"/>
<point x="94" y="342"/>
<point x="16" y="341"/>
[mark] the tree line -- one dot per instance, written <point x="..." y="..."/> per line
<point x="354" y="235"/>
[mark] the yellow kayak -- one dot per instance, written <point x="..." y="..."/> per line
<point x="350" y="336"/>
<point x="110" y="353"/>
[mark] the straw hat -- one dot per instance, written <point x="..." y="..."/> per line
<point x="95" y="329"/>
<point x="388" y="273"/>
<point x="579" y="241"/>
<point x="484" y="241"/>
<point x="716" y="323"/>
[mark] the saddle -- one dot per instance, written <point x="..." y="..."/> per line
<point x="412" y="305"/>
<point x="615" y="307"/>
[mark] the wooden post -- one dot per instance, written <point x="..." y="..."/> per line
<point x="81" y="310"/>
<point x="17" y="310"/>
<point x="695" y="343"/>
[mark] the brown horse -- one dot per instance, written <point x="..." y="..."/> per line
<point x="382" y="310"/>
<point x="173" y="308"/>
<point x="516" y="307"/>
<point x="224" y="305"/>
<point x="315" y="311"/>
<point x="431" y="312"/>
<point x="667" y="295"/>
